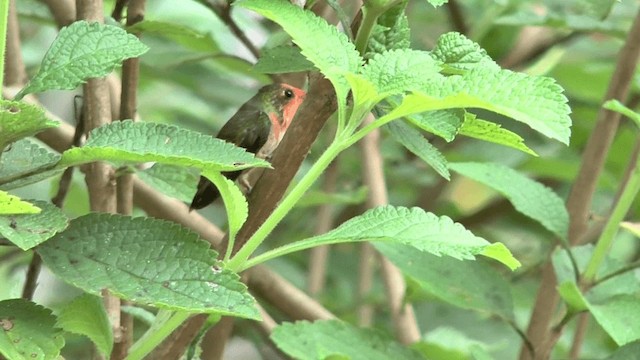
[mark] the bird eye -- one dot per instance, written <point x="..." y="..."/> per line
<point x="288" y="93"/>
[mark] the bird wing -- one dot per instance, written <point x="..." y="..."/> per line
<point x="250" y="130"/>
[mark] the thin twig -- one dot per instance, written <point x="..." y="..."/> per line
<point x="33" y="272"/>
<point x="14" y="70"/>
<point x="223" y="11"/>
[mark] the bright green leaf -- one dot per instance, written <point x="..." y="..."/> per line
<point x="619" y="316"/>
<point x="146" y="260"/>
<point x="460" y="54"/>
<point x="444" y="123"/>
<point x="527" y="196"/>
<point x="327" y="48"/>
<point x="534" y="100"/>
<point x="85" y="315"/>
<point x="572" y="295"/>
<point x="282" y="59"/>
<point x="28" y="331"/>
<point x="29" y="230"/>
<point x="436" y="3"/>
<point x="418" y="145"/>
<point x="83" y="50"/>
<point x="492" y="132"/>
<point x="23" y="158"/>
<point x="472" y="285"/>
<point x="12" y="205"/>
<point x="390" y="32"/>
<point x="144" y="142"/>
<point x="329" y="338"/>
<point x="19" y="120"/>
<point x="175" y="181"/>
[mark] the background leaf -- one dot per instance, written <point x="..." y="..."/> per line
<point x="19" y="120"/>
<point x="86" y="315"/>
<point x="29" y="230"/>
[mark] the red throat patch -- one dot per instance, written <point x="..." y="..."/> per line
<point x="289" y="110"/>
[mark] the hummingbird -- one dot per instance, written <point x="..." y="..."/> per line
<point x="258" y="127"/>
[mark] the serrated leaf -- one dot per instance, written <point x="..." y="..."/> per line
<point x="29" y="230"/>
<point x="415" y="227"/>
<point x="25" y="157"/>
<point x="418" y="145"/>
<point x="459" y="53"/>
<point x="146" y="260"/>
<point x="444" y="123"/>
<point x="470" y="284"/>
<point x="13" y="205"/>
<point x="390" y="32"/>
<point x="282" y="59"/>
<point x="329" y="50"/>
<point x="83" y="50"/>
<point x="329" y="338"/>
<point x="146" y="142"/>
<point x="19" y="120"/>
<point x="527" y="196"/>
<point x="534" y="100"/>
<point x="175" y="181"/>
<point x="492" y="132"/>
<point x="234" y="202"/>
<point x="85" y="315"/>
<point x="396" y="71"/>
<point x="619" y="316"/>
<point x="28" y="331"/>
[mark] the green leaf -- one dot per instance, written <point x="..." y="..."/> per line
<point x="29" y="230"/>
<point x="418" y="145"/>
<point x="390" y="32"/>
<point x="436" y="3"/>
<point x="458" y="54"/>
<point x="474" y="285"/>
<point x="415" y="227"/>
<point x="617" y="106"/>
<point x="527" y="196"/>
<point x="448" y="343"/>
<point x="492" y="132"/>
<point x="329" y="50"/>
<point x="626" y="352"/>
<point x="619" y="316"/>
<point x="234" y="202"/>
<point x="10" y="204"/>
<point x="28" y="331"/>
<point x="534" y="100"/>
<point x="396" y="71"/>
<point x="146" y="260"/>
<point x="444" y="123"/>
<point x="282" y="59"/>
<point x="83" y="50"/>
<point x="330" y="338"/>
<point x="23" y="158"/>
<point x="19" y="120"/>
<point x="175" y="181"/>
<point x="85" y="315"/>
<point x="144" y="142"/>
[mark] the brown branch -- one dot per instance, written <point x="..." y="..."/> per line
<point x="31" y="281"/>
<point x="14" y="71"/>
<point x="63" y="11"/>
<point x="456" y="16"/>
<point x="579" y="201"/>
<point x="216" y="339"/>
<point x="404" y="319"/>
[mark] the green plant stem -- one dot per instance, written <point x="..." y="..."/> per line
<point x="369" y="19"/>
<point x="611" y="228"/>
<point x="238" y="261"/>
<point x="4" y="15"/>
<point x="159" y="331"/>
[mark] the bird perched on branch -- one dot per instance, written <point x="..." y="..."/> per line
<point x="258" y="127"/>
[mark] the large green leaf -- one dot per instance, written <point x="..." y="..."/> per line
<point x="86" y="315"/>
<point x="335" y="339"/>
<point x="29" y="230"/>
<point x="329" y="50"/>
<point x="28" y="331"/>
<point x="528" y="196"/>
<point x="472" y="285"/>
<point x="83" y="50"/>
<point x="534" y="100"/>
<point x="282" y="59"/>
<point x="144" y="142"/>
<point x="19" y="120"/>
<point x="415" y="227"/>
<point x="146" y="260"/>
